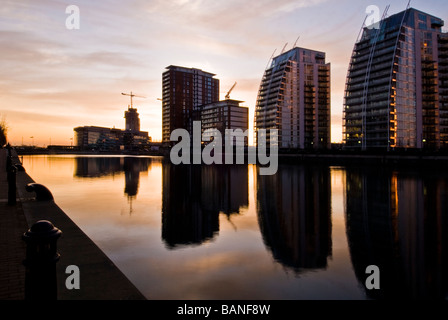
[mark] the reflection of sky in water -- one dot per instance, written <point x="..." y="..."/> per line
<point x="120" y="203"/>
<point x="233" y="264"/>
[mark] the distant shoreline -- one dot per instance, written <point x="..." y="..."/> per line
<point x="330" y="157"/>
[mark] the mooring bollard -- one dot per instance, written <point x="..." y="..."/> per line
<point x="20" y="167"/>
<point x="8" y="163"/>
<point x="11" y="175"/>
<point x="42" y="192"/>
<point x="8" y="149"/>
<point x="40" y="262"/>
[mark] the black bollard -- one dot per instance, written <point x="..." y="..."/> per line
<point x="19" y="167"/>
<point x="42" y="192"/>
<point x="40" y="262"/>
<point x="8" y="163"/>
<point x="11" y="175"/>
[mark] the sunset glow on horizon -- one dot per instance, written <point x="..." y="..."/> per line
<point x="54" y="79"/>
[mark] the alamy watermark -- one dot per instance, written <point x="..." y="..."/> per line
<point x="373" y="17"/>
<point x="218" y="151"/>
<point x="73" y="280"/>
<point x="373" y="280"/>
<point x="72" y="22"/>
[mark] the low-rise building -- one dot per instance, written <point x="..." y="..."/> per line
<point x="223" y="115"/>
<point x="112" y="139"/>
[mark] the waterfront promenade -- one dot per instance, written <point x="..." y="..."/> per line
<point x="100" y="279"/>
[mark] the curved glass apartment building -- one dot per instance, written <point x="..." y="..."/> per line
<point x="396" y="89"/>
<point x="294" y="98"/>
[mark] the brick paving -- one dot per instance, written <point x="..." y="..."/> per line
<point x="12" y="248"/>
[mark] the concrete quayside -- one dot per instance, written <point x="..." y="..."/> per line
<point x="99" y="277"/>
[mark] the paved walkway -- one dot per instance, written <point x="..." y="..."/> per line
<point x="12" y="249"/>
<point x="100" y="279"/>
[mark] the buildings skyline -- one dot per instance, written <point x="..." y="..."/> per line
<point x="396" y="93"/>
<point x="190" y="95"/>
<point x="74" y="75"/>
<point x="113" y="139"/>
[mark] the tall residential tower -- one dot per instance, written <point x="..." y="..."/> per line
<point x="397" y="86"/>
<point x="184" y="91"/>
<point x="294" y="98"/>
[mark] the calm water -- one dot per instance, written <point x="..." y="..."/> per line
<point x="220" y="232"/>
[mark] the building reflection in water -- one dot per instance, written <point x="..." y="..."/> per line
<point x="398" y="221"/>
<point x="294" y="213"/>
<point x="193" y="197"/>
<point x="92" y="167"/>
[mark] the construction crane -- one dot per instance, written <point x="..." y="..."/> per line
<point x="228" y="93"/>
<point x="132" y="95"/>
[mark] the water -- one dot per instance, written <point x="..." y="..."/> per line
<point x="225" y="232"/>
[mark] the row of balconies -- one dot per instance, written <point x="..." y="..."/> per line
<point x="363" y="47"/>
<point x="379" y="55"/>
<point x="383" y="96"/>
<point x="353" y="88"/>
<point x="376" y="71"/>
<point x="373" y="107"/>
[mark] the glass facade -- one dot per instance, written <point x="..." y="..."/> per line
<point x="294" y="98"/>
<point x="443" y="88"/>
<point x="392" y="91"/>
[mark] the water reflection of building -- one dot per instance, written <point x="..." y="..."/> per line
<point x="91" y="167"/>
<point x="399" y="222"/>
<point x="193" y="197"/>
<point x="294" y="212"/>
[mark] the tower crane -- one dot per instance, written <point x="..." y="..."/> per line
<point x="132" y="95"/>
<point x="228" y="93"/>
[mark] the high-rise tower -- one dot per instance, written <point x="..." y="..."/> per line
<point x="184" y="91"/>
<point x="396" y="90"/>
<point x="294" y="98"/>
<point x="132" y="120"/>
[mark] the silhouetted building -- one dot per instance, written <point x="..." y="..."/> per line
<point x="132" y="120"/>
<point x="398" y="222"/>
<point x="294" y="213"/>
<point x="294" y="98"/>
<point x="112" y="139"/>
<point x="396" y="91"/>
<point x="184" y="91"/>
<point x="194" y="196"/>
<point x="91" y="137"/>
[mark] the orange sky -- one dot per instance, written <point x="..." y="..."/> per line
<point x="54" y="79"/>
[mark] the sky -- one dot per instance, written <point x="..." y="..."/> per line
<point x="55" y="78"/>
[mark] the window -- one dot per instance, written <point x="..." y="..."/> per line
<point x="422" y="25"/>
